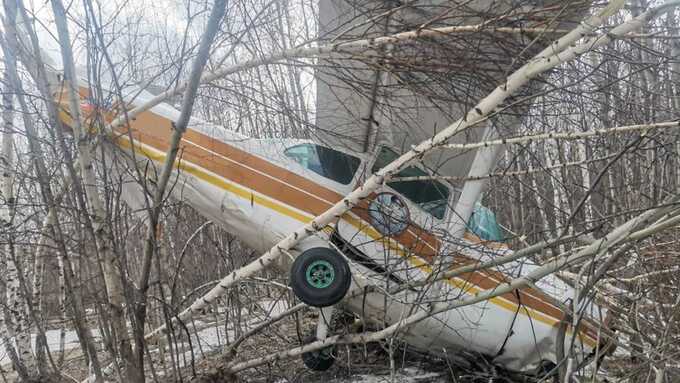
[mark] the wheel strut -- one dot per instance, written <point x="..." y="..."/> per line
<point x="324" y="322"/>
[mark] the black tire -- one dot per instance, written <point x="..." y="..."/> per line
<point x="319" y="360"/>
<point x="328" y="291"/>
<point x="546" y="370"/>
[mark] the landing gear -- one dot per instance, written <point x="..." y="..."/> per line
<point x="320" y="360"/>
<point x="320" y="277"/>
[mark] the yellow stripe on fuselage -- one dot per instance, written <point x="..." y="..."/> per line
<point x="280" y="208"/>
<point x="198" y="172"/>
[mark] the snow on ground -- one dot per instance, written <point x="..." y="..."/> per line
<point x="214" y="336"/>
<point x="209" y="337"/>
<point x="53" y="339"/>
<point x="404" y="375"/>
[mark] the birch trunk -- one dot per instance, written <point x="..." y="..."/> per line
<point x="675" y="86"/>
<point x="62" y="309"/>
<point x="37" y="297"/>
<point x="38" y="72"/>
<point x="18" y="301"/>
<point x="542" y="209"/>
<point x="17" y="304"/>
<point x="179" y="126"/>
<point x="102" y="229"/>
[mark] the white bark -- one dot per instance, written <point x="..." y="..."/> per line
<point x="36" y="66"/>
<point x="6" y="187"/>
<point x="675" y="80"/>
<point x="585" y="175"/>
<point x="658" y="374"/>
<point x="7" y="158"/>
<point x="16" y="302"/>
<point x="486" y="155"/>
<point x="560" y="203"/>
<point x="103" y="235"/>
<point x="643" y="128"/>
<point x="62" y="310"/>
<point x="179" y="127"/>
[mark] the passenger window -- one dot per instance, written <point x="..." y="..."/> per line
<point x="329" y="163"/>
<point x="431" y="196"/>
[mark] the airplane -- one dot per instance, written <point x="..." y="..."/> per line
<point x="261" y="190"/>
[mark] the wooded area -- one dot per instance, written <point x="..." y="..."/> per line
<point x="565" y="119"/>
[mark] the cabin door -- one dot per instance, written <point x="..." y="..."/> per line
<point x="394" y="229"/>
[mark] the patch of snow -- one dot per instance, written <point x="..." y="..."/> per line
<point x="404" y="375"/>
<point x="53" y="338"/>
<point x="210" y="337"/>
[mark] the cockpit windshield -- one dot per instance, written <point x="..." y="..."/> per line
<point x="432" y="196"/>
<point x="329" y="163"/>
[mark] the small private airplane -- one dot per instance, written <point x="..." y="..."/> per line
<point x="263" y="189"/>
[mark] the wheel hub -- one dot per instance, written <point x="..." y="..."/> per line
<point x="320" y="274"/>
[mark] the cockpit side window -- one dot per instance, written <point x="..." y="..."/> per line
<point x="329" y="163"/>
<point x="483" y="223"/>
<point x="430" y="195"/>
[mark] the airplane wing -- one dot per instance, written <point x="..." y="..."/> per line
<point x="419" y="89"/>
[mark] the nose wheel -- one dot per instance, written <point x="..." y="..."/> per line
<point x="320" y="277"/>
